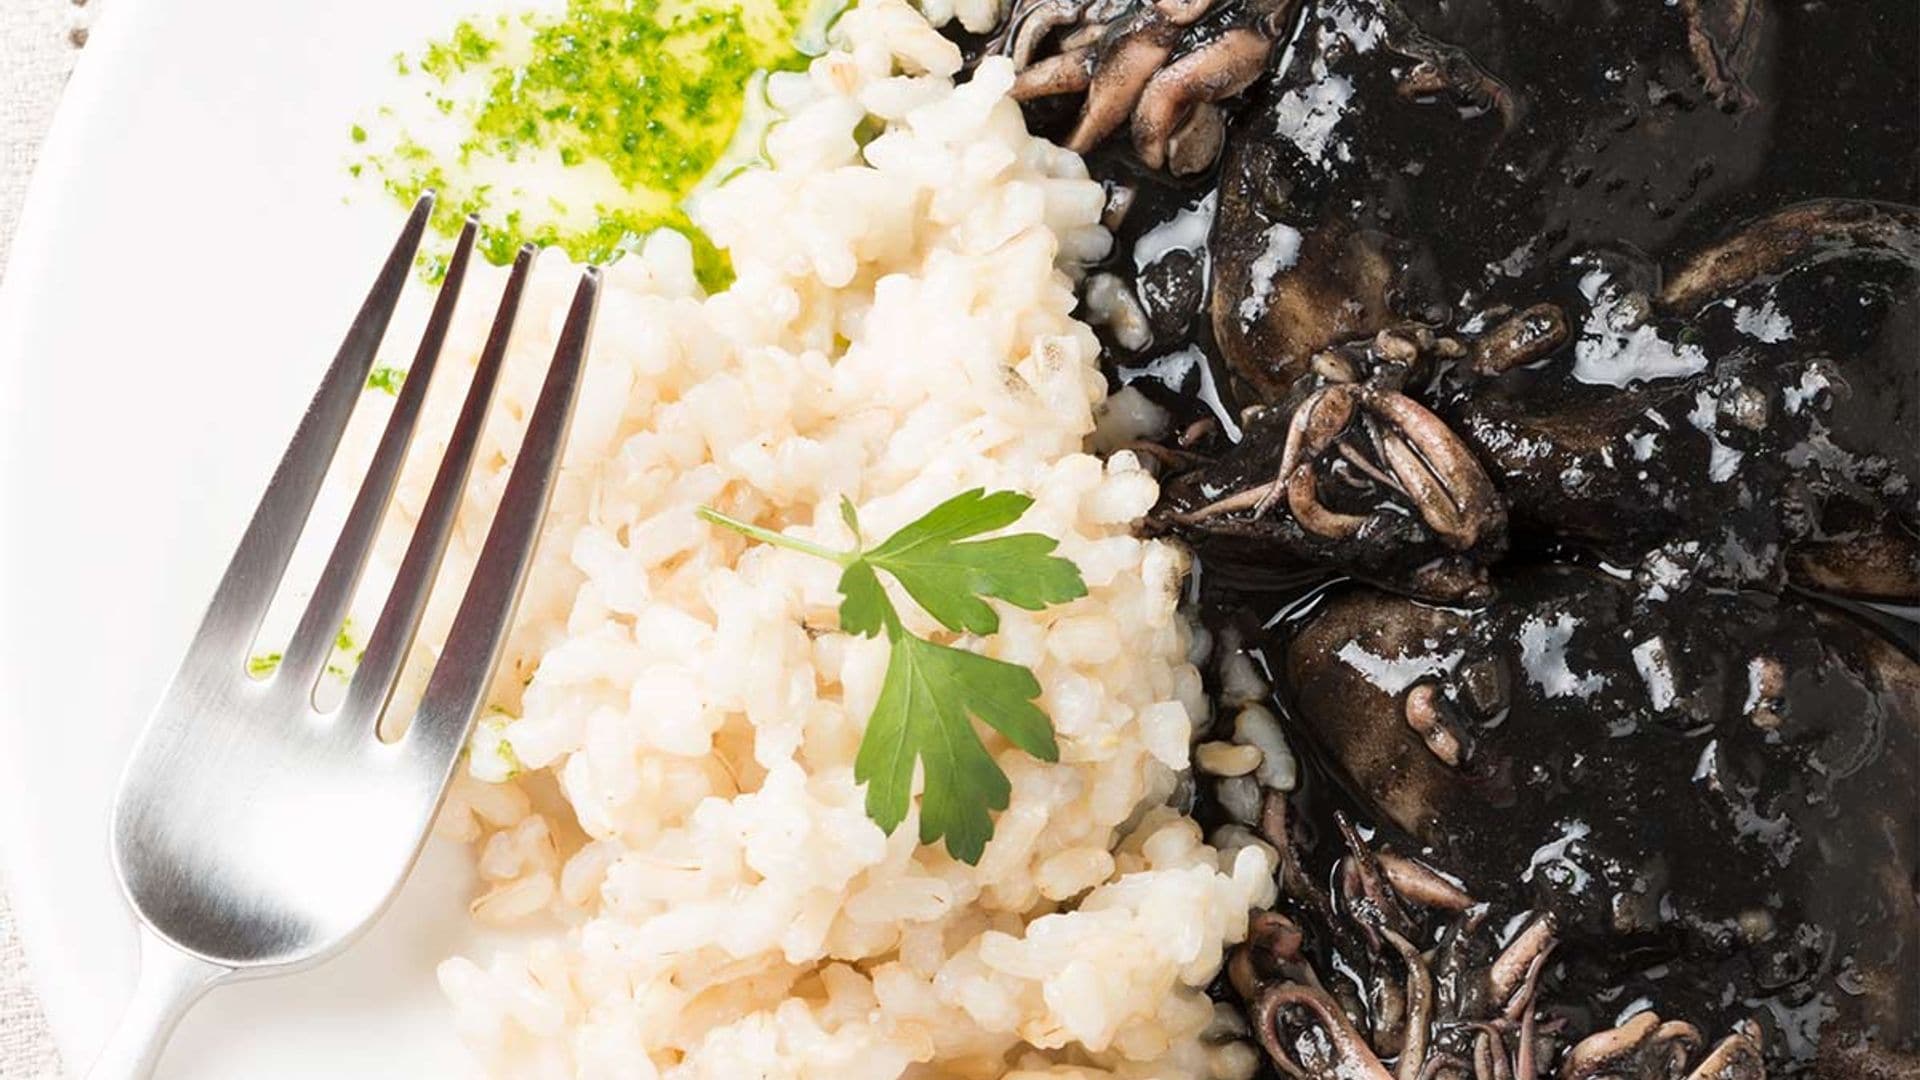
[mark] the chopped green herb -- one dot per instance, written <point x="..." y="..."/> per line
<point x="933" y="692"/>
<point x="262" y="665"/>
<point x="385" y="379"/>
<point x="347" y="651"/>
<point x="358" y="134"/>
<point x="868" y="129"/>
<point x="490" y="755"/>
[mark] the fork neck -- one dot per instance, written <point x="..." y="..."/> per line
<point x="170" y="981"/>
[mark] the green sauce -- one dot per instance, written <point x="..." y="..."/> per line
<point x="632" y="102"/>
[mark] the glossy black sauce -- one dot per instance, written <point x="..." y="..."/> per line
<point x="1613" y="156"/>
<point x="1653" y="168"/>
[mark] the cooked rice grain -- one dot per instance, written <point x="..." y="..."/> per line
<point x="666" y="793"/>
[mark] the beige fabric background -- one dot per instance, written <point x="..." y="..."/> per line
<point x="39" y="40"/>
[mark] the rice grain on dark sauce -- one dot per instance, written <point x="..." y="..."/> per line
<point x="1656" y="269"/>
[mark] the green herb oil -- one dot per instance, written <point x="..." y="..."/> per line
<point x="640" y="97"/>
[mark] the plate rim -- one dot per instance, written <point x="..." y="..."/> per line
<point x="91" y="84"/>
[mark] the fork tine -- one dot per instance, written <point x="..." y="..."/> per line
<point x="461" y="676"/>
<point x="319" y="627"/>
<point x="373" y="681"/>
<point x="253" y="576"/>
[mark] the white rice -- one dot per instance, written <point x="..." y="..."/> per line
<point x="664" y="797"/>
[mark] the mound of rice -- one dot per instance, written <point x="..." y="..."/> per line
<point x="664" y="794"/>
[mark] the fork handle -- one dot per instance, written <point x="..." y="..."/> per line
<point x="170" y="981"/>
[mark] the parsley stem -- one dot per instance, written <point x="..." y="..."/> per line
<point x="794" y="543"/>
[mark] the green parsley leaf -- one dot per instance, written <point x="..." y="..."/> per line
<point x="864" y="607"/>
<point x="932" y="693"/>
<point x="947" y="578"/>
<point x="852" y="517"/>
<point x="925" y="701"/>
<point x="969" y="513"/>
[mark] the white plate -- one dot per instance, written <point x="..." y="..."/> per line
<point x="182" y="273"/>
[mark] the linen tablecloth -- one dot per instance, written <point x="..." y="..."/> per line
<point x="39" y="40"/>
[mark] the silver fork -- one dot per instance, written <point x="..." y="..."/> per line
<point x="255" y="834"/>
